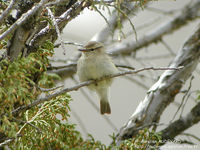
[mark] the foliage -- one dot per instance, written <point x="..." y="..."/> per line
<point x="39" y="127"/>
<point x="48" y="131"/>
<point x="46" y="126"/>
<point x="143" y="140"/>
<point x="18" y="80"/>
<point x="53" y="133"/>
<point x="18" y="86"/>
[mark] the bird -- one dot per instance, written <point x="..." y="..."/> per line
<point x="94" y="64"/>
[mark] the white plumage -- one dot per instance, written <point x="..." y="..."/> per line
<point x="94" y="64"/>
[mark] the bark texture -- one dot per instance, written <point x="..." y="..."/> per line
<point x="165" y="89"/>
<point x="182" y="123"/>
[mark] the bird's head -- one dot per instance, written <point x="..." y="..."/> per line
<point x="92" y="48"/>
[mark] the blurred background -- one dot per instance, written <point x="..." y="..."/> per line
<point x="128" y="91"/>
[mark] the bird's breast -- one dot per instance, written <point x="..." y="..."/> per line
<point x="91" y="68"/>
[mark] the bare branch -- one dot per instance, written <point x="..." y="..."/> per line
<point x="182" y="19"/>
<point x="69" y="69"/>
<point x="129" y="20"/>
<point x="183" y="99"/>
<point x="29" y="123"/>
<point x="51" y="89"/>
<point x="86" y="83"/>
<point x="160" y="11"/>
<point x="187" y="14"/>
<point x="57" y="30"/>
<point x="137" y="82"/>
<point x="125" y="66"/>
<point x="105" y="1"/>
<point x="168" y="47"/>
<point x="74" y="65"/>
<point x="8" y="140"/>
<point x="163" y="56"/>
<point x="107" y="32"/>
<point x="165" y="89"/>
<point x="69" y="43"/>
<point x="191" y="135"/>
<point x="61" y="21"/>
<point x="182" y="124"/>
<point x="63" y="66"/>
<point x="144" y="25"/>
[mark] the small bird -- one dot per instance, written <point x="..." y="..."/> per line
<point x="93" y="64"/>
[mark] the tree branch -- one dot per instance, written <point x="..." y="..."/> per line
<point x="69" y="43"/>
<point x="190" y="12"/>
<point x="57" y="29"/>
<point x="86" y="83"/>
<point x="8" y="140"/>
<point x="191" y="135"/>
<point x="23" y="19"/>
<point x="61" y="21"/>
<point x="165" y="89"/>
<point x="183" y="100"/>
<point x="183" y="123"/>
<point x="107" y="32"/>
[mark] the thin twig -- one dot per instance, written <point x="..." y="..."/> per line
<point x="74" y="64"/>
<point x="100" y="13"/>
<point x="125" y="66"/>
<point x="144" y="25"/>
<point x="25" y="122"/>
<point x="57" y="30"/>
<point x="191" y="135"/>
<point x="178" y="126"/>
<point x="62" y="20"/>
<point x="8" y="141"/>
<point x="137" y="82"/>
<point x="186" y="142"/>
<point x="129" y="20"/>
<point x="61" y="67"/>
<point x="188" y="95"/>
<point x="69" y="43"/>
<point x="163" y="56"/>
<point x="161" y="11"/>
<point x="183" y="99"/>
<point x="82" y="84"/>
<point x="168" y="47"/>
<point x="104" y="1"/>
<point x="189" y="13"/>
<point x="51" y="89"/>
<point x="144" y="64"/>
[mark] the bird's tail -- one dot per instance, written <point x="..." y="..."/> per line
<point x="104" y="107"/>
